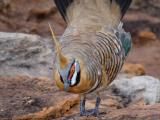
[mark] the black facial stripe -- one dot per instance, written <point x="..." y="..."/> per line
<point x="61" y="79"/>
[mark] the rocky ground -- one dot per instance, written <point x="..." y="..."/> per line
<point x="27" y="90"/>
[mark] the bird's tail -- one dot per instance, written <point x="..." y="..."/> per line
<point x="95" y="13"/>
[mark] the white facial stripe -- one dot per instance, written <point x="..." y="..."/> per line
<point x="73" y="80"/>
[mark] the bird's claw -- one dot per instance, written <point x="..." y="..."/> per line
<point x="90" y="112"/>
<point x="94" y="112"/>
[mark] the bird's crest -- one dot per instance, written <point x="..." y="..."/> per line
<point x="61" y="59"/>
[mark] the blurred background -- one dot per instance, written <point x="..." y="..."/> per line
<point x="26" y="61"/>
<point x="142" y="20"/>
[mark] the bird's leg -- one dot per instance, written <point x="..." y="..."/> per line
<point x="94" y="112"/>
<point x="82" y="106"/>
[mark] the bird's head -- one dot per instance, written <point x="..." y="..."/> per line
<point x="69" y="74"/>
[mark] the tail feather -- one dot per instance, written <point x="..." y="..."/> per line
<point x="124" y="5"/>
<point x="62" y="6"/>
<point x="96" y="14"/>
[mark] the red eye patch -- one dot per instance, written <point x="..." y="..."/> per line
<point x="72" y="70"/>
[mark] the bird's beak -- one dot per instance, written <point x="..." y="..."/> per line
<point x="66" y="86"/>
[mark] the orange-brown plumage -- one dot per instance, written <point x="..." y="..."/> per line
<point x="84" y="85"/>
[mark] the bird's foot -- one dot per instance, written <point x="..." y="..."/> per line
<point x="94" y="112"/>
<point x="91" y="112"/>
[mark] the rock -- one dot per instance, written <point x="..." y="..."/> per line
<point x="137" y="88"/>
<point x="133" y="69"/>
<point x="22" y="54"/>
<point x="51" y="112"/>
<point x="25" y="98"/>
<point x="41" y="12"/>
<point x="30" y="17"/>
<point x="155" y="3"/>
<point x="135" y="113"/>
<point x="147" y="36"/>
<point x="136" y="4"/>
<point x="1" y="4"/>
